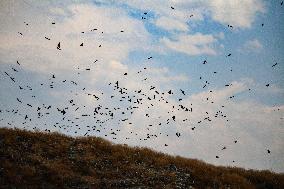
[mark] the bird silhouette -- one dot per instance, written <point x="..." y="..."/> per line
<point x="58" y="46"/>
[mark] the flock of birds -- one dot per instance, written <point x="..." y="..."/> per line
<point x="122" y="103"/>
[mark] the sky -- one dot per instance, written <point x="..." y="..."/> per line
<point x="221" y="60"/>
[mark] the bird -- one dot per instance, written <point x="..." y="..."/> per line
<point x="81" y="44"/>
<point x="274" y="65"/>
<point x="58" y="46"/>
<point x="15" y="70"/>
<point x="182" y="91"/>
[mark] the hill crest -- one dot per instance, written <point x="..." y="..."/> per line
<point x="52" y="160"/>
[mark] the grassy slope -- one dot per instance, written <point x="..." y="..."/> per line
<point x="41" y="160"/>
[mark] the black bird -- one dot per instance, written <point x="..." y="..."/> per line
<point x="172" y="8"/>
<point x="53" y="23"/>
<point x="182" y="91"/>
<point x="58" y="46"/>
<point x="14" y="70"/>
<point x="267" y="85"/>
<point x="81" y="44"/>
<point x="274" y="65"/>
<point x="18" y="62"/>
<point x="150" y="57"/>
<point x="229" y="54"/>
<point x="205" y="62"/>
<point x="268" y="151"/>
<point x="47" y="38"/>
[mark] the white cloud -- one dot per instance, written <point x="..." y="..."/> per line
<point x="171" y="24"/>
<point x="57" y="11"/>
<point x="239" y="13"/>
<point x="252" y="46"/>
<point x="195" y="44"/>
<point x="115" y="45"/>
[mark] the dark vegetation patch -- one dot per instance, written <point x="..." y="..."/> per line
<point x="51" y="160"/>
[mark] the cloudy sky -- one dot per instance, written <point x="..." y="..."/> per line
<point x="240" y="43"/>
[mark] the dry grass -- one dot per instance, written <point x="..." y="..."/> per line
<point x="41" y="160"/>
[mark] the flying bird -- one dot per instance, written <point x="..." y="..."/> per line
<point x="58" y="46"/>
<point x="274" y="65"/>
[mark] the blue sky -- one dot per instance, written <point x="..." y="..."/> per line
<point x="178" y="44"/>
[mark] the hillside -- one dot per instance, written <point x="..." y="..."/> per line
<point x="43" y="160"/>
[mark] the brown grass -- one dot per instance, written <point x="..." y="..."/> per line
<point x="41" y="160"/>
